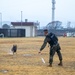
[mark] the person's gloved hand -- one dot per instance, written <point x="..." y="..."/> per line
<point x="39" y="52"/>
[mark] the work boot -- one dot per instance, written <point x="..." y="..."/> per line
<point x="60" y="64"/>
<point x="50" y="65"/>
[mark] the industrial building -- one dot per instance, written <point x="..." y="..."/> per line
<point x="20" y="29"/>
<point x="30" y="27"/>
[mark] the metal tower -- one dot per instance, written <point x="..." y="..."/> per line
<point x="53" y="8"/>
<point x="53" y="12"/>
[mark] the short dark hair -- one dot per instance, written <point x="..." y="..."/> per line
<point x="45" y="30"/>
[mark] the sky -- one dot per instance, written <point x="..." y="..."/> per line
<point x="37" y="10"/>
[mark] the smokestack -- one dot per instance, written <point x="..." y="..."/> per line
<point x="53" y="12"/>
<point x="53" y="8"/>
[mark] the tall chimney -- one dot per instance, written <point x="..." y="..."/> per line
<point x="53" y="12"/>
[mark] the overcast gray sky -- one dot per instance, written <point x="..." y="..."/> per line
<point x="40" y="10"/>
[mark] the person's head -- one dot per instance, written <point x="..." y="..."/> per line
<point x="45" y="32"/>
<point x="14" y="44"/>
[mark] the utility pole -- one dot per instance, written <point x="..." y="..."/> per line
<point x="21" y="19"/>
<point x="1" y="18"/>
<point x="53" y="12"/>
